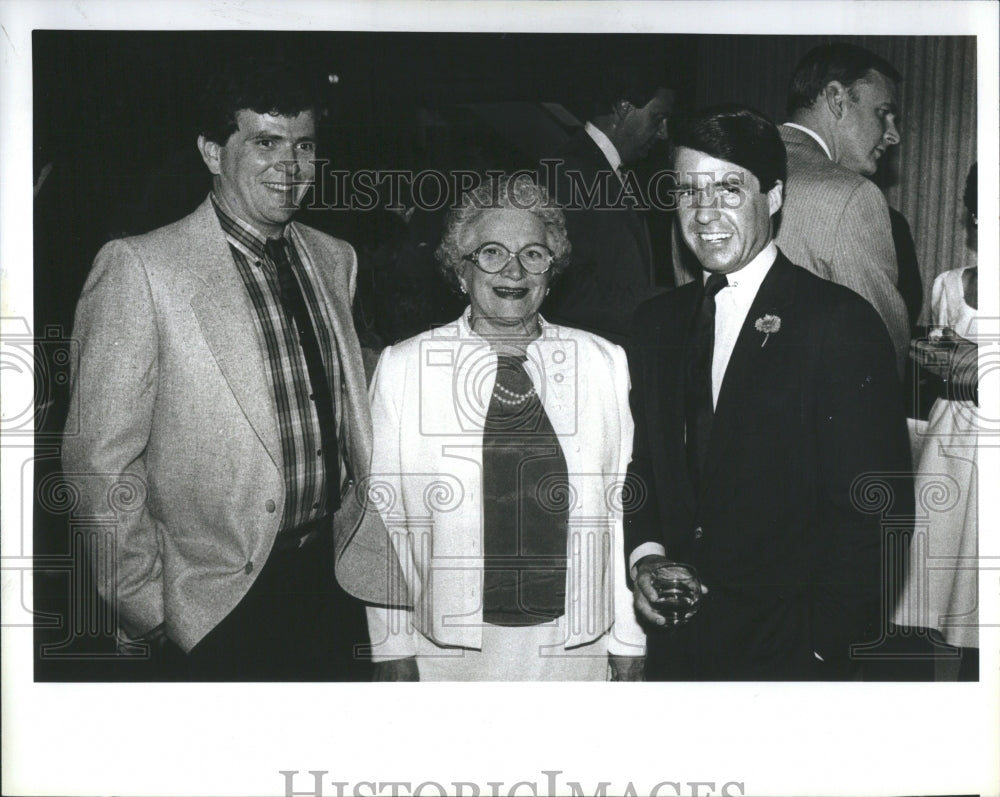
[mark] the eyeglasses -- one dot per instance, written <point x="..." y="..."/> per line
<point x="493" y="258"/>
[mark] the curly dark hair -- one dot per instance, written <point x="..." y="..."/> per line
<point x="264" y="85"/>
<point x="971" y="195"/>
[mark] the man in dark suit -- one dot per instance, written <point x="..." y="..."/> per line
<point x="763" y="399"/>
<point x="612" y="269"/>
<point x="224" y="418"/>
<point x="843" y="109"/>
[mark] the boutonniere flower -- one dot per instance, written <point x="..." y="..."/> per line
<point x="768" y="324"/>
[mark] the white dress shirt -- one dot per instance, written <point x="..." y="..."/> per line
<point x="605" y="145"/>
<point x="732" y="304"/>
<point x="813" y="134"/>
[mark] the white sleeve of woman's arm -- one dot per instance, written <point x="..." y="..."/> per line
<point x="939" y="301"/>
<point x="627" y="637"/>
<point x="390" y="629"/>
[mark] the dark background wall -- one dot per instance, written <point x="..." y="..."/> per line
<point x="114" y="116"/>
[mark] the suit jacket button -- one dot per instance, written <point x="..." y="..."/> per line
<point x="269" y="506"/>
<point x="698" y="533"/>
<point x="249" y="568"/>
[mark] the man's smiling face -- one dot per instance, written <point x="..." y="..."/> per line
<point x="724" y="218"/>
<point x="263" y="170"/>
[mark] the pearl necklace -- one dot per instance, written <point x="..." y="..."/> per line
<point x="511" y="398"/>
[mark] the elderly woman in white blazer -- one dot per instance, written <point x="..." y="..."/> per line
<point x="501" y="444"/>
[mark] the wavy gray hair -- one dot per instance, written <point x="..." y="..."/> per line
<point x="519" y="192"/>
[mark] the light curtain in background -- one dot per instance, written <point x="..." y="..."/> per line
<point x="924" y="178"/>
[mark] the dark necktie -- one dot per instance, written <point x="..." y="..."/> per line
<point x="698" y="408"/>
<point x="294" y="305"/>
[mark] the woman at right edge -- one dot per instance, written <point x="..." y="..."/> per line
<point x="940" y="593"/>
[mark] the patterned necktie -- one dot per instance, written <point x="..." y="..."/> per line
<point x="294" y="305"/>
<point x="698" y="408"/>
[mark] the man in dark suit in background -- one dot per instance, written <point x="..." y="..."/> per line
<point x="612" y="269"/>
<point x="911" y="286"/>
<point x="761" y="396"/>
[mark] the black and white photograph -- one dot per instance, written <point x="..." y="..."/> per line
<point x="483" y="343"/>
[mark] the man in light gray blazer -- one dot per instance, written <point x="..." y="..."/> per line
<point x="224" y="413"/>
<point x="835" y="222"/>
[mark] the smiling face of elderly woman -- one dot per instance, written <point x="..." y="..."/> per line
<point x="505" y="304"/>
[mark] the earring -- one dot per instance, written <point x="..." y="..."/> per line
<point x="462" y="288"/>
<point x="547" y="291"/>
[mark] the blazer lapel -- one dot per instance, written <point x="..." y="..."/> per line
<point x="554" y="370"/>
<point x="775" y="293"/>
<point x="355" y="427"/>
<point x="227" y="323"/>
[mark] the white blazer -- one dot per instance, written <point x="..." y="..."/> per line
<point x="430" y="396"/>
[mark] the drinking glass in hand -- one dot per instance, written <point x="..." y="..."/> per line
<point x="678" y="590"/>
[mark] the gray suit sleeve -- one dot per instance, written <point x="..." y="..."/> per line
<point x="864" y="260"/>
<point x="114" y="385"/>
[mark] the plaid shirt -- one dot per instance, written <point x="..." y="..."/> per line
<point x="298" y="422"/>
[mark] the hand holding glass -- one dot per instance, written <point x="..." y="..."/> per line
<point x="679" y="592"/>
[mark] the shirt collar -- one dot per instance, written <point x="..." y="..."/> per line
<point x="752" y="274"/>
<point x="605" y="145"/>
<point x="240" y="234"/>
<point x="814" y="135"/>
